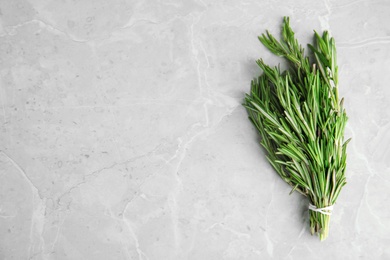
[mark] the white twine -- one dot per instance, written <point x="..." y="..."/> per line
<point x="325" y="210"/>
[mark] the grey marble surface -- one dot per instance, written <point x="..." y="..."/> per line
<point x="123" y="135"/>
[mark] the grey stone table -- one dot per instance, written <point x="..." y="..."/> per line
<point x="123" y="135"/>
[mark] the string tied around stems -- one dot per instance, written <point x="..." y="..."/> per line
<point x="325" y="210"/>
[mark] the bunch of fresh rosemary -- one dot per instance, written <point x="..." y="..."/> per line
<point x="301" y="121"/>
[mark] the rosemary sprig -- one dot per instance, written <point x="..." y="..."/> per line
<point x="301" y="121"/>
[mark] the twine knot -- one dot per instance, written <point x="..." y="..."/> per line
<point x="325" y="210"/>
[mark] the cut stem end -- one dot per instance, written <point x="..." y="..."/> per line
<point x="319" y="224"/>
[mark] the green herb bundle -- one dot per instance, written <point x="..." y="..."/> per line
<point x="301" y="121"/>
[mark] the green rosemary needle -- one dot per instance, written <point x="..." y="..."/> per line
<point x="301" y="121"/>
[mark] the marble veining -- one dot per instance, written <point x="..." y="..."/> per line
<point x="123" y="135"/>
